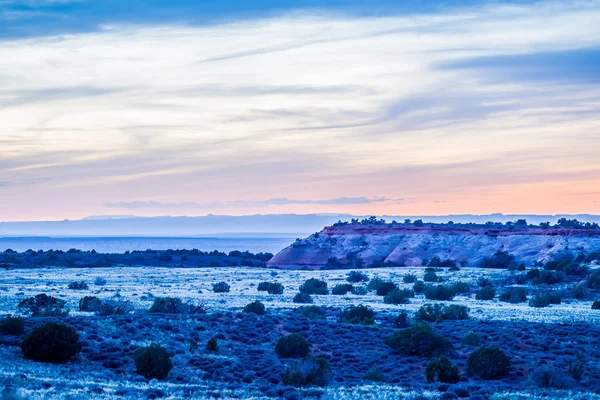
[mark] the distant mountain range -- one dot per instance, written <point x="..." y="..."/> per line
<point x="227" y="225"/>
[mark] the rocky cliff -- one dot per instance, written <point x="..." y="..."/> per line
<point x="409" y="245"/>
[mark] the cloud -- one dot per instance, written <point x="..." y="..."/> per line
<point x="239" y="203"/>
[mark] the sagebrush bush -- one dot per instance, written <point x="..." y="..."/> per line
<point x="43" y="305"/>
<point x="115" y="306"/>
<point x="314" y="286"/>
<point x="545" y="299"/>
<point x="430" y="276"/>
<point x="270" y="287"/>
<point x="302" y="298"/>
<point x="409" y="278"/>
<point x="90" y="303"/>
<point x="593" y="280"/>
<point x="419" y="286"/>
<point x="440" y="292"/>
<point x="401" y="320"/>
<point x="374" y="375"/>
<point x="78" y="285"/>
<point x="99" y="281"/>
<point x="10" y="325"/>
<point x="313" y="312"/>
<point x="152" y="362"/>
<point x="221" y="287"/>
<point x="357" y="277"/>
<point x="309" y="371"/>
<point x="293" y="345"/>
<point x="548" y="278"/>
<point x="472" y="339"/>
<point x="440" y="312"/>
<point x="482" y="281"/>
<point x="461" y="287"/>
<point x="359" y="315"/>
<point x="485" y="293"/>
<point x="442" y="370"/>
<point x="514" y="295"/>
<point x="399" y="296"/>
<point x="383" y="288"/>
<point x="548" y="377"/>
<point x="579" y="292"/>
<point x="488" y="363"/>
<point x="212" y="345"/>
<point x="419" y="340"/>
<point x="51" y="342"/>
<point x="500" y="260"/>
<point x="342" y="289"/>
<point x="359" y="290"/>
<point x="256" y="307"/>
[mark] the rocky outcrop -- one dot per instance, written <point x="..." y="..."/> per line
<point x="409" y="245"/>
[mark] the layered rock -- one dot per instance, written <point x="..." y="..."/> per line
<point x="409" y="245"/>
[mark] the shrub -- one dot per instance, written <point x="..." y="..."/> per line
<point x="500" y="260"/>
<point x="419" y="286"/>
<point x="453" y="268"/>
<point x="221" y="287"/>
<point x="212" y="345"/>
<point x="357" y="277"/>
<point x="548" y="377"/>
<point x="440" y="312"/>
<point x="270" y="287"/>
<point x="472" y="339"/>
<point x="440" y="292"/>
<point x="332" y="263"/>
<point x="359" y="290"/>
<point x="152" y="362"/>
<point x="78" y="285"/>
<point x="99" y="281"/>
<point x="461" y="287"/>
<point x="514" y="295"/>
<point x="578" y="291"/>
<point x="314" y="286"/>
<point x="485" y="293"/>
<point x="544" y="300"/>
<point x="419" y="340"/>
<point x="342" y="289"/>
<point x="256" y="307"/>
<point x="309" y="371"/>
<point x="442" y="370"/>
<point x="115" y="307"/>
<point x="401" y="320"/>
<point x="488" y="363"/>
<point x="168" y="305"/>
<point x="90" y="303"/>
<point x="409" y="278"/>
<point x="313" y="312"/>
<point x="596" y="305"/>
<point x="383" y="288"/>
<point x="577" y="367"/>
<point x="302" y="298"/>
<point x="374" y="375"/>
<point x="359" y="315"/>
<point x="293" y="345"/>
<point x="51" y="342"/>
<point x="593" y="280"/>
<point x="430" y="276"/>
<point x="10" y="325"/>
<point x="532" y="274"/>
<point x="548" y="277"/>
<point x="398" y="296"/>
<point x="482" y="281"/>
<point x="373" y="283"/>
<point x="43" y="305"/>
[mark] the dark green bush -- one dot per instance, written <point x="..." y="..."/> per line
<point x="482" y="281"/>
<point x="401" y="320"/>
<point x="152" y="362"/>
<point x="593" y="280"/>
<point x="596" y="305"/>
<point x="212" y="345"/>
<point x="357" y="277"/>
<point x="174" y="305"/>
<point x="549" y="378"/>
<point x="43" y="305"/>
<point x="430" y="276"/>
<point x="532" y="274"/>
<point x="488" y="363"/>
<point x="314" y="286"/>
<point x="313" y="312"/>
<point x="442" y="370"/>
<point x="545" y="299"/>
<point x="409" y="278"/>
<point x="302" y="298"/>
<point x="374" y="375"/>
<point x="461" y="287"/>
<point x="514" y="295"/>
<point x="419" y="340"/>
<point x="419" y="286"/>
<point x="485" y="293"/>
<point x="90" y="303"/>
<point x="293" y="345"/>
<point x="500" y="260"/>
<point x="10" y="325"/>
<point x="579" y="291"/>
<point x="270" y="287"/>
<point x="548" y="277"/>
<point x="115" y="306"/>
<point x="472" y="339"/>
<point x="51" y="342"/>
<point x="309" y="371"/>
<point x="440" y="312"/>
<point x="398" y="296"/>
<point x="383" y="288"/>
<point x="373" y="283"/>
<point x="342" y="289"/>
<point x="78" y="285"/>
<point x="221" y="287"/>
<point x="359" y="315"/>
<point x="256" y="307"/>
<point x="440" y="292"/>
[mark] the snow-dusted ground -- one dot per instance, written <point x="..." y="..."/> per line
<point x="136" y="283"/>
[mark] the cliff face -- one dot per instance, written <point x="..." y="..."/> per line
<point x="409" y="245"/>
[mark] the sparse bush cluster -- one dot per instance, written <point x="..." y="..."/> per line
<point x="514" y="295"/>
<point x="360" y="315"/>
<point x="545" y="299"/>
<point x="43" y="305"/>
<point x="270" y="287"/>
<point x="357" y="277"/>
<point x="314" y="286"/>
<point x="310" y="371"/>
<point x="221" y="287"/>
<point x="78" y="285"/>
<point x="419" y="340"/>
<point x="440" y="292"/>
<point x="174" y="305"/>
<point x="10" y="325"/>
<point x="440" y="312"/>
<point x="342" y="289"/>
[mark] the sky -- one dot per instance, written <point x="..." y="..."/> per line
<point x="242" y="107"/>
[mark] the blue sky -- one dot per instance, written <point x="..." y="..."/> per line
<point x="381" y="107"/>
